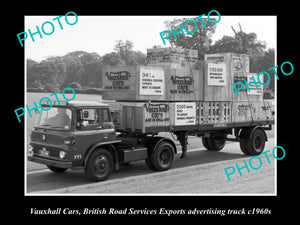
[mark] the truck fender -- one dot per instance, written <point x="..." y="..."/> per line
<point x="108" y="146"/>
<point x="153" y="142"/>
<point x="250" y="130"/>
<point x="258" y="127"/>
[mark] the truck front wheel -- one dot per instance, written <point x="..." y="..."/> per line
<point x="99" y="165"/>
<point x="162" y="157"/>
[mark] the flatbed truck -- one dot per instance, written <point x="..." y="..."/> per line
<point x="82" y="134"/>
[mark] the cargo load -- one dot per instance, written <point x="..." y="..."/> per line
<point x="147" y="117"/>
<point x="209" y="82"/>
<point x="151" y="83"/>
<point x="176" y="57"/>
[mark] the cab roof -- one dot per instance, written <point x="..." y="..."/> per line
<point x="86" y="104"/>
<point x="74" y="103"/>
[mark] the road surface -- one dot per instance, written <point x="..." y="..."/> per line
<point x="202" y="172"/>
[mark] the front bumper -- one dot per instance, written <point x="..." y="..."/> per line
<point x="50" y="162"/>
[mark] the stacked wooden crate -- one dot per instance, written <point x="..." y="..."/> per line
<point x="174" y="92"/>
<point x="238" y="69"/>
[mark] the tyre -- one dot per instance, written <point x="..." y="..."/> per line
<point x="99" y="165"/>
<point x="216" y="143"/>
<point x="204" y="142"/>
<point x="245" y="132"/>
<point x="149" y="163"/>
<point x="256" y="142"/>
<point x="162" y="157"/>
<point x="56" y="169"/>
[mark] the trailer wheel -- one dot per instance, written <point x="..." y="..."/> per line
<point x="56" y="169"/>
<point x="216" y="143"/>
<point x="162" y="157"/>
<point x="245" y="132"/>
<point x="99" y="165"/>
<point x="256" y="142"/>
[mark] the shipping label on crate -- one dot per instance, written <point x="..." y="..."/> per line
<point x="152" y="81"/>
<point x="185" y="113"/>
<point x="253" y="89"/>
<point x="216" y="74"/>
<point x="157" y="114"/>
<point x="215" y="58"/>
<point x="116" y="80"/>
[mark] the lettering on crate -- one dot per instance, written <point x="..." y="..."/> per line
<point x="121" y="75"/>
<point x="156" y="107"/>
<point x="183" y="85"/>
<point x="118" y="79"/>
<point x="156" y="112"/>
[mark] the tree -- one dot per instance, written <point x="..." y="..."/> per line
<point x="199" y="40"/>
<point x="92" y="66"/>
<point x="33" y="76"/>
<point x="240" y="43"/>
<point x="124" y="55"/>
<point x="112" y="59"/>
<point x="127" y="54"/>
<point x="74" y="67"/>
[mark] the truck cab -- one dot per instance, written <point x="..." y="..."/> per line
<point x="65" y="136"/>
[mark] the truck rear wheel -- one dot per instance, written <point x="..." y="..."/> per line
<point x="162" y="157"/>
<point x="99" y="165"/>
<point x="255" y="143"/>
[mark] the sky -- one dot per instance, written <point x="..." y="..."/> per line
<point x="99" y="33"/>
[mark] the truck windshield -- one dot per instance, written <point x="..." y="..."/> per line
<point x="55" y="118"/>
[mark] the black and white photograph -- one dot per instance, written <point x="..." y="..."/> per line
<point x="168" y="105"/>
<point x="168" y="114"/>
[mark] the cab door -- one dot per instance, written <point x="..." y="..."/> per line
<point x="92" y="125"/>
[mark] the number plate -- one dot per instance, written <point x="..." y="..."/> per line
<point x="44" y="152"/>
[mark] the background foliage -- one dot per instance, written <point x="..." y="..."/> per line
<point x="83" y="70"/>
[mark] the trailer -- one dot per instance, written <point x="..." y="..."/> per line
<point x="190" y="99"/>
<point x="83" y="134"/>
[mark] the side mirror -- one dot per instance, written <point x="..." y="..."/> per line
<point x="85" y="114"/>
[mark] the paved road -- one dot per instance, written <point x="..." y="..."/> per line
<point x="202" y="172"/>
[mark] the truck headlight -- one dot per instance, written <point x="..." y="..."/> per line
<point x="30" y="151"/>
<point x="62" y="154"/>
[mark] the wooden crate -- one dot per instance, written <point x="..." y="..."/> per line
<point x="219" y="78"/>
<point x="138" y="116"/>
<point x="152" y="83"/>
<point x="214" y="113"/>
<point x="183" y="84"/>
<point x="240" y="62"/>
<point x="133" y="83"/>
<point x="251" y="111"/>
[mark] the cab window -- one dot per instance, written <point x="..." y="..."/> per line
<point x="87" y="119"/>
<point x="91" y="119"/>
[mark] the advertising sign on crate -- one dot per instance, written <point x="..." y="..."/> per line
<point x="185" y="113"/>
<point x="216" y="74"/>
<point x="152" y="82"/>
<point x="253" y="89"/>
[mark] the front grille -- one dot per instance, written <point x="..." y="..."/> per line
<point x="53" y="152"/>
